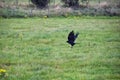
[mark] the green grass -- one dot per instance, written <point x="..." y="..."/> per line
<point x="36" y="49"/>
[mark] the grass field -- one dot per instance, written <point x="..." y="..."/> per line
<point x="36" y="49"/>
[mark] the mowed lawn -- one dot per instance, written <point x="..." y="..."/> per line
<point x="36" y="49"/>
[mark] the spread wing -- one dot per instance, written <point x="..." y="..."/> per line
<point x="76" y="35"/>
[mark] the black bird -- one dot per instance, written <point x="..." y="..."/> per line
<point x="71" y="38"/>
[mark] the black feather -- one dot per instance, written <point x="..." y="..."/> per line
<point x="72" y="37"/>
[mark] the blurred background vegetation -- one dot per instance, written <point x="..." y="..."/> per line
<point x="65" y="8"/>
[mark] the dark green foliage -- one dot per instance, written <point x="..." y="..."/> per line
<point x="40" y="3"/>
<point x="71" y="3"/>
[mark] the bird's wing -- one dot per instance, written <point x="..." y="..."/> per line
<point x="71" y="37"/>
<point x="76" y="35"/>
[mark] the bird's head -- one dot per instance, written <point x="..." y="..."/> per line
<point x="71" y="43"/>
